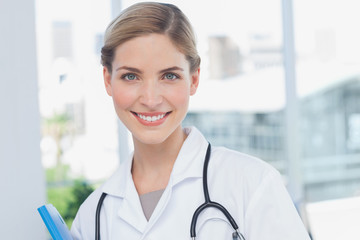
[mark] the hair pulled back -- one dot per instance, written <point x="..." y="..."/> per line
<point x="145" y="18"/>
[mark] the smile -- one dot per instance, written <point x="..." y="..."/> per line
<point x="151" y="119"/>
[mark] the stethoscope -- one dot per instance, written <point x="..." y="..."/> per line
<point x="207" y="204"/>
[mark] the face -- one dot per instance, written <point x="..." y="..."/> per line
<point x="150" y="85"/>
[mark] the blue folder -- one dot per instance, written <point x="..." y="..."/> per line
<point x="54" y="222"/>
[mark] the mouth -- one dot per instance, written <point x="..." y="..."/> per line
<point x="151" y="118"/>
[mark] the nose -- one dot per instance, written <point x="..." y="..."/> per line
<point x="151" y="95"/>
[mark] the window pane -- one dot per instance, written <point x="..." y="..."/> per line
<point x="329" y="86"/>
<point x="79" y="129"/>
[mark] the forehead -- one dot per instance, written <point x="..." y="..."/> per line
<point x="153" y="50"/>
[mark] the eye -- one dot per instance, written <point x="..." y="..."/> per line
<point x="129" y="77"/>
<point x="171" y="76"/>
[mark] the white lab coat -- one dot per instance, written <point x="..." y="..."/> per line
<point x="250" y="189"/>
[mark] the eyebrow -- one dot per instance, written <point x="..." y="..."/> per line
<point x="131" y="69"/>
<point x="171" y="69"/>
<point x="135" y="70"/>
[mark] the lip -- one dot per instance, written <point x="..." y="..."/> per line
<point x="152" y="114"/>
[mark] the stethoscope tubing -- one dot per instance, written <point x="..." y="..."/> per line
<point x="208" y="203"/>
<point x="97" y="216"/>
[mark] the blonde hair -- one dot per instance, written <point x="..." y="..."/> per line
<point x="145" y="18"/>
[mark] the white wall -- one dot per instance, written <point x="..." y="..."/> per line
<point x="21" y="175"/>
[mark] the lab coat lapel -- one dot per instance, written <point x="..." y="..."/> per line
<point x="121" y="185"/>
<point x="159" y="209"/>
<point x="130" y="210"/>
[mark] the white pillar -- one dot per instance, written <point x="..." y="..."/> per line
<point x="21" y="175"/>
<point x="295" y="181"/>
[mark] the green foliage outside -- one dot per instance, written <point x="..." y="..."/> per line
<point x="58" y="174"/>
<point x="58" y="197"/>
<point x="80" y="191"/>
<point x="65" y="194"/>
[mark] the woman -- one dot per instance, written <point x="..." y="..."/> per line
<point x="151" y="68"/>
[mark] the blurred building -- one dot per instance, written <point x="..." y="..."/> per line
<point x="330" y="137"/>
<point x="264" y="51"/>
<point x="330" y="131"/>
<point x="259" y="134"/>
<point x="71" y="85"/>
<point x="224" y="57"/>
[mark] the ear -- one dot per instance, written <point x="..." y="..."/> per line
<point x="107" y="81"/>
<point x="194" y="81"/>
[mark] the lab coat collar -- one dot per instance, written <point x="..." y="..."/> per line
<point x="190" y="160"/>
<point x="117" y="184"/>
<point x="189" y="163"/>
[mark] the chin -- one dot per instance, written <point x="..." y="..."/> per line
<point x="150" y="139"/>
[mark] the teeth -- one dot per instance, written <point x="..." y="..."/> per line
<point x="151" y="119"/>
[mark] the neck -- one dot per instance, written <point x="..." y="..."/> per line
<point x="153" y="163"/>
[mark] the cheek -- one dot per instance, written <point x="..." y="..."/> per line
<point x="179" y="96"/>
<point x="123" y="98"/>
